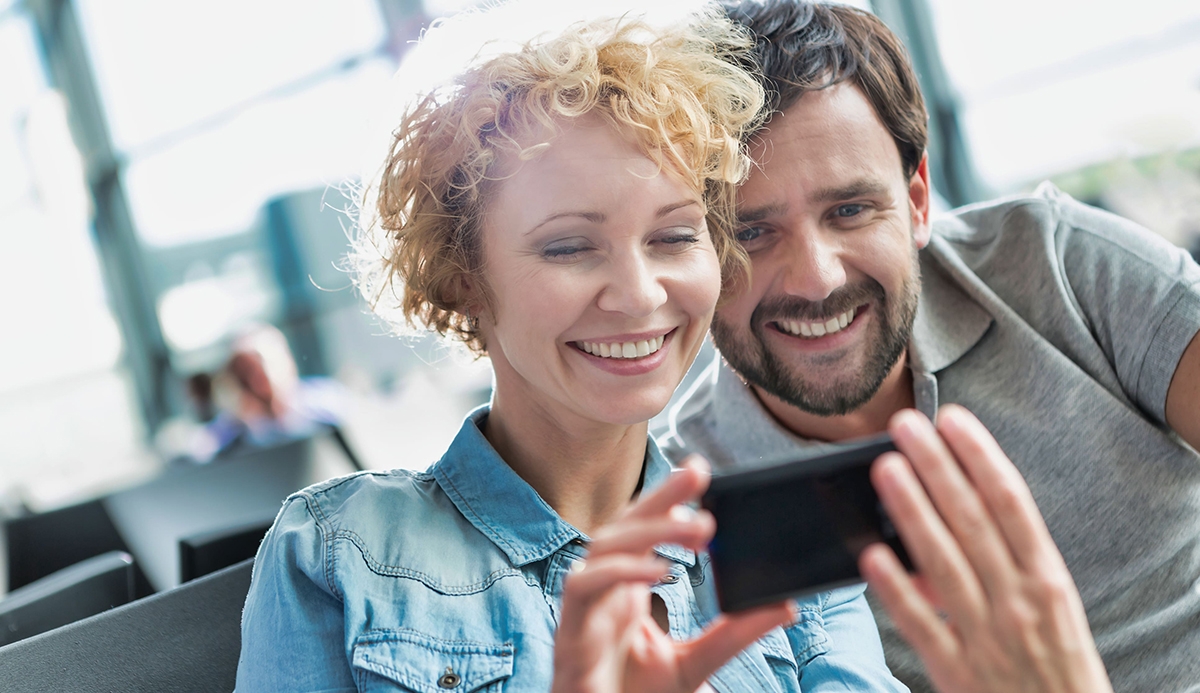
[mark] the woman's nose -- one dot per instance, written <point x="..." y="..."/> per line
<point x="634" y="288"/>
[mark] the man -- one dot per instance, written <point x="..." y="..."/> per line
<point x="1069" y="332"/>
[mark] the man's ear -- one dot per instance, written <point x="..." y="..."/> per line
<point x="919" y="196"/>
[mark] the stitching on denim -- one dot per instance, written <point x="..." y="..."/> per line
<point x="429" y="581"/>
<point x="540" y="551"/>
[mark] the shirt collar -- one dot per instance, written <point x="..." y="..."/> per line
<point x="507" y="510"/>
<point x="949" y="323"/>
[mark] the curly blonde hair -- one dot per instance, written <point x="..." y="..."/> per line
<point x="682" y="92"/>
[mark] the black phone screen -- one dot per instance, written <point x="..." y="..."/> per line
<point x="796" y="528"/>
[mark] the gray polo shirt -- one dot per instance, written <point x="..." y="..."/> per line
<point x="1060" y="326"/>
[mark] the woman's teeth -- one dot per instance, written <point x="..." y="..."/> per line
<point x="623" y="350"/>
<point x="817" y="329"/>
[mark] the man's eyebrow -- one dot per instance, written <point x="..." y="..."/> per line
<point x="859" y="188"/>
<point x="753" y="214"/>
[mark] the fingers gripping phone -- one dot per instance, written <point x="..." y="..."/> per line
<point x="798" y="527"/>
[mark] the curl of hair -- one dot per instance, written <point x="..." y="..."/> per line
<point x="683" y="94"/>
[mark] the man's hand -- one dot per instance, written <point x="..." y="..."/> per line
<point x="993" y="608"/>
<point x="608" y="641"/>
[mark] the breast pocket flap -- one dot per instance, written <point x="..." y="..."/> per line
<point x="425" y="664"/>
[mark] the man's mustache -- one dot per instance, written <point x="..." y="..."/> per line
<point x="841" y="300"/>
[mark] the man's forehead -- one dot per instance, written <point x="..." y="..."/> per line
<point x="829" y="145"/>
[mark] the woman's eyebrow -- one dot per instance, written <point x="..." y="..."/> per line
<point x="594" y="217"/>
<point x="667" y="209"/>
<point x="600" y="217"/>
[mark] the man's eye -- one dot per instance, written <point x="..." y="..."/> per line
<point x="847" y="211"/>
<point x="749" y="234"/>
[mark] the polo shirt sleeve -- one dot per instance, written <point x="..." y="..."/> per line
<point x="292" y="625"/>
<point x="1139" y="294"/>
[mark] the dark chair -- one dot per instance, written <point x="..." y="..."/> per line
<point x="232" y="491"/>
<point x="94" y="585"/>
<point x="43" y="543"/>
<point x="209" y="552"/>
<point x="184" y="639"/>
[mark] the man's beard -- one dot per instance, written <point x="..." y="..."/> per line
<point x="893" y="317"/>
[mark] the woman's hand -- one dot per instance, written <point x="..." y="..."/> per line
<point x="1013" y="619"/>
<point x="608" y="641"/>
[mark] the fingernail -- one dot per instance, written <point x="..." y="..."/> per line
<point x="906" y="422"/>
<point x="682" y="513"/>
<point x="950" y="417"/>
<point x="696" y="462"/>
<point x="578" y="565"/>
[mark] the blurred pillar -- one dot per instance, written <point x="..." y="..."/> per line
<point x="953" y="171"/>
<point x="70" y="71"/>
<point x="404" y="19"/>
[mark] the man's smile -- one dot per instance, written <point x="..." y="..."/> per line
<point x="821" y="327"/>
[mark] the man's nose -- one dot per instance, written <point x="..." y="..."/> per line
<point x="813" y="267"/>
<point x="634" y="288"/>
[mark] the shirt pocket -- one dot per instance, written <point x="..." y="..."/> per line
<point x="405" y="660"/>
<point x="807" y="637"/>
<point x="777" y="652"/>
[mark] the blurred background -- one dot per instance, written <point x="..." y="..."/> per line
<point x="175" y="180"/>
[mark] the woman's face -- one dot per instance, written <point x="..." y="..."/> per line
<point x="603" y="279"/>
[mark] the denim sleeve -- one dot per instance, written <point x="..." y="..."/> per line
<point x="293" y="630"/>
<point x="853" y="656"/>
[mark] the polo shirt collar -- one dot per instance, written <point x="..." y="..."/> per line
<point x="949" y="323"/>
<point x="507" y="510"/>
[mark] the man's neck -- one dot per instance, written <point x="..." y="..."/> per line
<point x="894" y="394"/>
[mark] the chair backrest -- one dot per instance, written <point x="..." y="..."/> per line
<point x="85" y="589"/>
<point x="209" y="552"/>
<point x="184" y="639"/>
<point x="43" y="543"/>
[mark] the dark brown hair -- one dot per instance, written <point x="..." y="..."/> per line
<point x="804" y="46"/>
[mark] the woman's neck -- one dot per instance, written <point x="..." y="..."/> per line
<point x="587" y="471"/>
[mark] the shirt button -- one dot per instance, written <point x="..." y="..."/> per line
<point x="449" y="679"/>
<point x="669" y="579"/>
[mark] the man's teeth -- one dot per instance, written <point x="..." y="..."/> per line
<point x="623" y="350"/>
<point x="817" y="329"/>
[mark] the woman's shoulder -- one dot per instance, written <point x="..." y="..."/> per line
<point x="366" y="494"/>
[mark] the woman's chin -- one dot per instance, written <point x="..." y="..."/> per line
<point x="629" y="411"/>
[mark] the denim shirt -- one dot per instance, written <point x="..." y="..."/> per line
<point x="451" y="580"/>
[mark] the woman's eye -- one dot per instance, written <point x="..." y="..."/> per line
<point x="563" y="252"/>
<point x="680" y="238"/>
<point x="749" y="234"/>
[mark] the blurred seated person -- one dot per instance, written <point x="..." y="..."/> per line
<point x="256" y="400"/>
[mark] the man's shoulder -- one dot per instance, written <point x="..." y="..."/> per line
<point x="1042" y="215"/>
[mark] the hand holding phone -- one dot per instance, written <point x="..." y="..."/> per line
<point x="998" y="610"/>
<point x="798" y="527"/>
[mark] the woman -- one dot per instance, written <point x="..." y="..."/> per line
<point x="565" y="209"/>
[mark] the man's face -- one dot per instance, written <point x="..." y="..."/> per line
<point x="832" y="226"/>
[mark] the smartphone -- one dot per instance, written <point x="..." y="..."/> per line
<point x="798" y="527"/>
